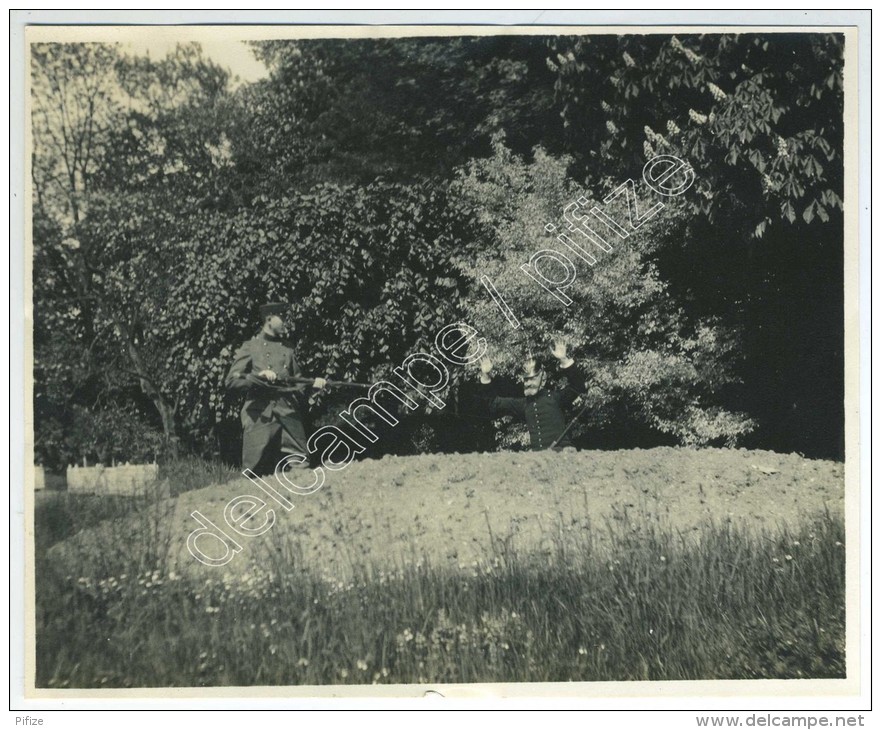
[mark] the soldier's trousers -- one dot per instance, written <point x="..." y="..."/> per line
<point x="260" y="451"/>
<point x="293" y="435"/>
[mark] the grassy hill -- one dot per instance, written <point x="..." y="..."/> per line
<point x="657" y="564"/>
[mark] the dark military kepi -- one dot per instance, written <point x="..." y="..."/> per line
<point x="272" y="419"/>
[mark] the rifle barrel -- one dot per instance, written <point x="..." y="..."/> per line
<point x="341" y="383"/>
<point x="286" y="382"/>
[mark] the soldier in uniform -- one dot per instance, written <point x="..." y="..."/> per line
<point x="541" y="407"/>
<point x="272" y="418"/>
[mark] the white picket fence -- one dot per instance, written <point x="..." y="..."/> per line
<point x="39" y="478"/>
<point x="127" y="479"/>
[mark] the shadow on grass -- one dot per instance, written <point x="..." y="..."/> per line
<point x="629" y="601"/>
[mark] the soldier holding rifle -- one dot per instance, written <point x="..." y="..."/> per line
<point x="266" y="371"/>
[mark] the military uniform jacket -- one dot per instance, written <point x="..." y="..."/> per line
<point x="543" y="412"/>
<point x="264" y="407"/>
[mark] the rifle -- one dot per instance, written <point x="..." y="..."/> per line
<point x="288" y="385"/>
<point x="570" y="425"/>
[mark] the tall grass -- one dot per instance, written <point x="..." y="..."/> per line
<point x="629" y="601"/>
<point x="59" y="515"/>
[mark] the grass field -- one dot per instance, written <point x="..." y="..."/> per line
<point x="618" y="595"/>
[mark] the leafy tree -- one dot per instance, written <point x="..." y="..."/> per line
<point x="759" y="117"/>
<point x="402" y="109"/>
<point x="368" y="272"/>
<point x="168" y="205"/>
<point x="650" y="365"/>
<point x="73" y="111"/>
<point x="87" y="340"/>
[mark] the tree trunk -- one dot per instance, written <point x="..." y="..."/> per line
<point x="166" y="410"/>
<point x="166" y="413"/>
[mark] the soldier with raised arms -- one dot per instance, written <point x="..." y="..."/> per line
<point x="541" y="407"/>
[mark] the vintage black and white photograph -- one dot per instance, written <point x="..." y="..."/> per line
<point x="403" y="356"/>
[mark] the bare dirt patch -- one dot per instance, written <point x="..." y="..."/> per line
<point x="458" y="510"/>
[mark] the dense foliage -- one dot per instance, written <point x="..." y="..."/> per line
<point x="650" y="363"/>
<point x="758" y="116"/>
<point x="361" y="182"/>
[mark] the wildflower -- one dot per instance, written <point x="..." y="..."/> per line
<point x="605" y="106"/>
<point x="582" y="650"/>
<point x="671" y="127"/>
<point x="697" y="118"/>
<point x="211" y="609"/>
<point x="796" y="543"/>
<point x="774" y="560"/>
<point x="789" y="557"/>
<point x="628" y="59"/>
<point x="838" y="543"/>
<point x="302" y="662"/>
<point x="344" y="672"/>
<point x="610" y="125"/>
<point x="362" y="665"/>
<point x="663" y="559"/>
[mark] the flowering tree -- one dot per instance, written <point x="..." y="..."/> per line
<point x="650" y="365"/>
<point x="759" y="117"/>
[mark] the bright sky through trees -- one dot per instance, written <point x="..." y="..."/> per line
<point x="235" y="56"/>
